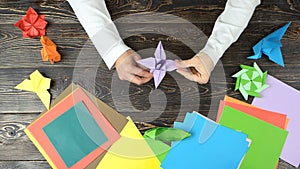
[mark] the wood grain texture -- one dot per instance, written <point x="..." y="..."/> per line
<point x="24" y="165"/>
<point x="204" y="11"/>
<point x="72" y="42"/>
<point x="142" y="24"/>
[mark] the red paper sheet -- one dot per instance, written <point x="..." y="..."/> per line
<point x="276" y="119"/>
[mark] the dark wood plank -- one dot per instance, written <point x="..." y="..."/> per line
<point x="149" y="107"/>
<point x="204" y="11"/>
<point x="183" y="40"/>
<point x="104" y="82"/>
<point x="24" y="165"/>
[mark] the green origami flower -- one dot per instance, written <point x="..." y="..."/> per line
<point x="250" y="81"/>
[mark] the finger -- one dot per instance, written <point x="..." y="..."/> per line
<point x="186" y="73"/>
<point x="145" y="74"/>
<point x="138" y="80"/>
<point x="180" y="64"/>
<point x="142" y="66"/>
<point x="140" y="72"/>
<point x="136" y="56"/>
<point x="193" y="75"/>
<point x="191" y="62"/>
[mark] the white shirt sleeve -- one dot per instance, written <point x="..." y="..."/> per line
<point x="229" y="26"/>
<point x="95" y="19"/>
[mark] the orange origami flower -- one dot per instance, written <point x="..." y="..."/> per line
<point x="32" y="24"/>
<point x="49" y="51"/>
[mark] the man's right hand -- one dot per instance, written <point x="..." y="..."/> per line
<point x="128" y="69"/>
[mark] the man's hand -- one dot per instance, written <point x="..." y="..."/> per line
<point x="129" y="70"/>
<point x="197" y="69"/>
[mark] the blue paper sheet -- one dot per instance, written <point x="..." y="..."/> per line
<point x="211" y="146"/>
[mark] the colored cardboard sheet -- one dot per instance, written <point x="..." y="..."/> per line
<point x="267" y="139"/>
<point x="68" y="131"/>
<point x="38" y="129"/>
<point x="116" y="119"/>
<point x="276" y="119"/>
<point x="131" y="151"/>
<point x="210" y="146"/>
<point x="283" y="98"/>
<point x="235" y="101"/>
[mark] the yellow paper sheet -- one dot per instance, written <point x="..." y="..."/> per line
<point x="131" y="151"/>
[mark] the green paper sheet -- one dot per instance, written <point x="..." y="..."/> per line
<point x="267" y="140"/>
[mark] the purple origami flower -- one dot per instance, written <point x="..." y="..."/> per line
<point x="159" y="65"/>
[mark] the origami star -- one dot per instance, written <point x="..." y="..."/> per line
<point x="270" y="46"/>
<point x="32" y="24"/>
<point x="159" y="65"/>
<point x="38" y="84"/>
<point x="250" y="81"/>
<point x="49" y="51"/>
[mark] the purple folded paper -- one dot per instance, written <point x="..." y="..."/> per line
<point x="282" y="98"/>
<point x="159" y="65"/>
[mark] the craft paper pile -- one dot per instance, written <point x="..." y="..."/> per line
<point x="80" y="131"/>
<point x="210" y="146"/>
<point x="266" y="130"/>
<point x="280" y="97"/>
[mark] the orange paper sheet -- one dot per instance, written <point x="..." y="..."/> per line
<point x="277" y="119"/>
<point x="233" y="100"/>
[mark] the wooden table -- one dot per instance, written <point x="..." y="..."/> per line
<point x="19" y="57"/>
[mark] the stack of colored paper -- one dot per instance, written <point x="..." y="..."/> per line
<point x="80" y="131"/>
<point x="264" y="128"/>
<point x="210" y="146"/>
<point x="283" y="98"/>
